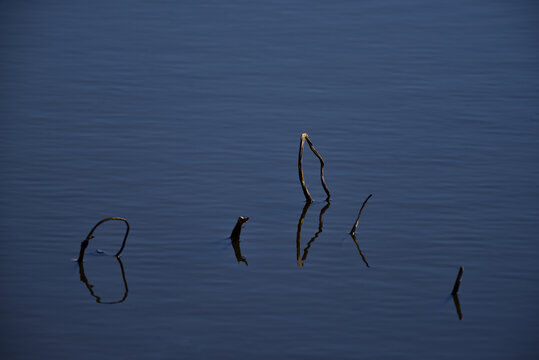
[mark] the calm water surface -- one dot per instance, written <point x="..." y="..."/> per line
<point x="182" y="116"/>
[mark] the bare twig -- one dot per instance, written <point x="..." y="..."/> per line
<point x="321" y="166"/>
<point x="308" y="197"/>
<point x="85" y="242"/>
<point x="457" y="281"/>
<point x="353" y="231"/>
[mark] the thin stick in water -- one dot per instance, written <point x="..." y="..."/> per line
<point x="308" y="197"/>
<point x="457" y="281"/>
<point x="300" y="169"/>
<point x="321" y="166"/>
<point x="353" y="231"/>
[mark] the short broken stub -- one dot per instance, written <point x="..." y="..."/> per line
<point x="235" y="235"/>
<point x="85" y="242"/>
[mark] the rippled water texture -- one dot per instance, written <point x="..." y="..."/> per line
<point x="183" y="116"/>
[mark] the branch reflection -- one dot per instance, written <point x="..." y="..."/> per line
<point x="358" y="249"/>
<point x="84" y="279"/>
<point x="301" y="259"/>
<point x="457" y="305"/>
<point x="235" y="237"/>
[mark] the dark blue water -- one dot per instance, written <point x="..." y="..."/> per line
<point x="182" y="116"/>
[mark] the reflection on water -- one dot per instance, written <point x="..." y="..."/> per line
<point x="358" y="249"/>
<point x="235" y="237"/>
<point x="90" y="287"/>
<point x="457" y="305"/>
<point x="354" y="228"/>
<point x="455" y="291"/>
<point x="181" y="115"/>
<point x="301" y="259"/>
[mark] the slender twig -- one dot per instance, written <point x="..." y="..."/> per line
<point x="457" y="281"/>
<point x="84" y="279"/>
<point x="321" y="166"/>
<point x="353" y="231"/>
<point x="85" y="242"/>
<point x="308" y="197"/>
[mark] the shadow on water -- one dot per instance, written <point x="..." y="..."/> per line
<point x="301" y="259"/>
<point x="235" y="238"/>
<point x="90" y="287"/>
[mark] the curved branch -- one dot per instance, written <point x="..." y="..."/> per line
<point x="308" y="197"/>
<point x="300" y="169"/>
<point x="321" y="166"/>
<point x="85" y="242"/>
